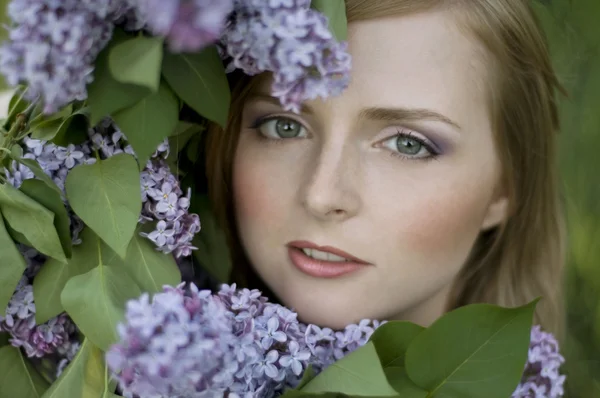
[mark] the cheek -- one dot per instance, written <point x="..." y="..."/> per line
<point x="254" y="190"/>
<point x="438" y="222"/>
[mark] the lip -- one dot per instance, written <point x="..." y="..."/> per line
<point x="323" y="268"/>
<point x="304" y="244"/>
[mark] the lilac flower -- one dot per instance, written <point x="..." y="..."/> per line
<point x="188" y="25"/>
<point x="266" y="366"/>
<point x="161" y="234"/>
<point x="271" y="334"/>
<point x="165" y="204"/>
<point x="69" y="155"/>
<point x="18" y="320"/>
<point x="255" y="348"/>
<point x="53" y="45"/>
<point x="541" y="376"/>
<point x="292" y="41"/>
<point x="295" y="359"/>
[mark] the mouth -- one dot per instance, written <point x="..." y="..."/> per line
<point x="323" y="261"/>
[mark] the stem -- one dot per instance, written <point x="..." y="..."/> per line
<point x="13" y="133"/>
<point x="12" y="111"/>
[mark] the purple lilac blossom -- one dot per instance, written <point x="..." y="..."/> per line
<point x="188" y="25"/>
<point x="53" y="337"/>
<point x="164" y="202"/>
<point x="195" y="343"/>
<point x="186" y="342"/>
<point x="53" y="44"/>
<point x="293" y="42"/>
<point x="542" y="377"/>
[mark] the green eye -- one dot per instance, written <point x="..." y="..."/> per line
<point x="282" y="128"/>
<point x="287" y="128"/>
<point x="408" y="145"/>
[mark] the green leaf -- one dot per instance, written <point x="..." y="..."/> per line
<point x="183" y="133"/>
<point x="137" y="61"/>
<point x="335" y="11"/>
<point x="17" y="105"/>
<point x="193" y="148"/>
<point x="302" y="394"/>
<point x="18" y="378"/>
<point x="213" y="252"/>
<point x="16" y="151"/>
<point x="13" y="265"/>
<point x="199" y="79"/>
<point x="150" y="268"/>
<point x="307" y="376"/>
<point x="46" y="130"/>
<point x="106" y="196"/>
<point x="87" y="376"/>
<point x="357" y="374"/>
<point x="73" y="130"/>
<point x="44" y="119"/>
<point x="399" y="380"/>
<point x="37" y="171"/>
<point x="31" y="219"/>
<point x="17" y="236"/>
<point x="392" y="339"/>
<point x="96" y="302"/>
<point x="475" y="351"/>
<point x="50" y="199"/>
<point x="54" y="275"/>
<point x="4" y="337"/>
<point x="147" y="123"/>
<point x="106" y="95"/>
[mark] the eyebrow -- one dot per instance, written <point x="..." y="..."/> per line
<point x="405" y="114"/>
<point x="379" y="114"/>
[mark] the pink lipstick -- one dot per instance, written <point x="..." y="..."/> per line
<point x="331" y="262"/>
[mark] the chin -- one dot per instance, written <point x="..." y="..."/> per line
<point x="325" y="312"/>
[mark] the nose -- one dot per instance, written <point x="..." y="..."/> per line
<point x="332" y="188"/>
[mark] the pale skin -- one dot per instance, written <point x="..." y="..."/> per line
<point x="334" y="180"/>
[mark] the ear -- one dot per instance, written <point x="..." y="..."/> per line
<point x="497" y="212"/>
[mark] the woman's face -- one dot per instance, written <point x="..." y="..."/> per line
<point x="399" y="172"/>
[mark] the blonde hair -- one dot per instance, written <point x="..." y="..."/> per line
<point x="523" y="258"/>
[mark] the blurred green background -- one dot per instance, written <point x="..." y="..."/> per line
<point x="573" y="29"/>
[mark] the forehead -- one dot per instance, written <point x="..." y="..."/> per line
<point x="422" y="60"/>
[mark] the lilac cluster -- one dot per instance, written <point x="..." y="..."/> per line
<point x="195" y="343"/>
<point x="55" y="161"/>
<point x="53" y="45"/>
<point x="541" y="377"/>
<point x="293" y="42"/>
<point x="188" y="25"/>
<point x="164" y="202"/>
<point x="53" y="337"/>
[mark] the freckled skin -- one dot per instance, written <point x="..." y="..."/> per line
<point x="415" y="220"/>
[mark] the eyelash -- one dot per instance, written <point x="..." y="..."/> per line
<point x="433" y="153"/>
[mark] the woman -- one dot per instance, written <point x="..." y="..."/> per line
<point x="428" y="184"/>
